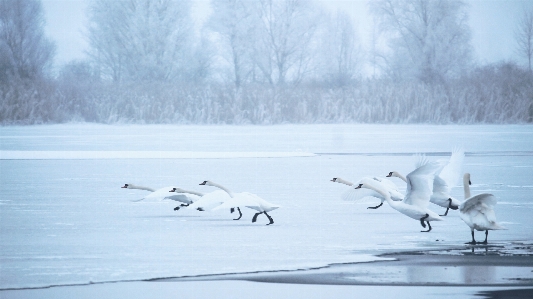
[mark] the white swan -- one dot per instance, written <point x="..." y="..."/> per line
<point x="444" y="182"/>
<point x="162" y="193"/>
<point x="478" y="211"/>
<point x="245" y="199"/>
<point x="207" y="201"/>
<point x="354" y="194"/>
<point x="417" y="196"/>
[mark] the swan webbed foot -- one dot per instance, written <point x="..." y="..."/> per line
<point x="176" y="208"/>
<point x="270" y="219"/>
<point x="240" y="214"/>
<point x="232" y="210"/>
<point x="184" y="205"/>
<point x="375" y="206"/>
<point x="473" y="242"/>
<point x="200" y="209"/>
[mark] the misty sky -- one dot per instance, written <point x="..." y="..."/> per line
<point x="492" y="23"/>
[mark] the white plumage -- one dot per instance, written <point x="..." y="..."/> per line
<point x="416" y="201"/>
<point x="355" y="194"/>
<point x="478" y="211"/>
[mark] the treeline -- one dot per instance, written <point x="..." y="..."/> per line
<point x="493" y="94"/>
<point x="258" y="62"/>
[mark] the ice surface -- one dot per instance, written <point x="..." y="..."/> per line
<point x="67" y="221"/>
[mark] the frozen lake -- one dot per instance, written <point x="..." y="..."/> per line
<point x="65" y="220"/>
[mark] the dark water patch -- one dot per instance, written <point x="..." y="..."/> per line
<point x="435" y="154"/>
<point x="507" y="294"/>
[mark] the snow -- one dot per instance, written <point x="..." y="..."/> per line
<point x="65" y="220"/>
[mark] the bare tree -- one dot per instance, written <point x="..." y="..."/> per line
<point x="340" y="51"/>
<point x="140" y="39"/>
<point x="284" y="36"/>
<point x="26" y="52"/>
<point x="429" y="40"/>
<point x="524" y="37"/>
<point x="233" y="21"/>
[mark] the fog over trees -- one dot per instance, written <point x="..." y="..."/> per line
<point x="261" y="62"/>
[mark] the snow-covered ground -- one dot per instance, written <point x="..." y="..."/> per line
<point x="65" y="220"/>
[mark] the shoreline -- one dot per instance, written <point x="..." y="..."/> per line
<point x="491" y="265"/>
<point x="484" y="271"/>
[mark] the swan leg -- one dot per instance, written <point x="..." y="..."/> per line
<point x="255" y="216"/>
<point x="473" y="242"/>
<point x="200" y="209"/>
<point x="269" y="218"/>
<point x="446" y="213"/>
<point x="240" y="214"/>
<point x="486" y="236"/>
<point x="424" y="219"/>
<point x="429" y="229"/>
<point x="376" y="206"/>
<point x="448" y="208"/>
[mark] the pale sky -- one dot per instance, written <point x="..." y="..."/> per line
<point x="492" y="23"/>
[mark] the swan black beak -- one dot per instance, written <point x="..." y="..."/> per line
<point x="173" y="189"/>
<point x="125" y="186"/>
<point x="359" y="187"/>
<point x="203" y="183"/>
<point x="334" y="180"/>
<point x="389" y="175"/>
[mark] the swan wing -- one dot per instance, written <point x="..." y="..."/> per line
<point x="210" y="200"/>
<point x="353" y="194"/>
<point x="185" y="198"/>
<point x="481" y="202"/>
<point x="390" y="185"/>
<point x="248" y="200"/>
<point x="239" y="201"/>
<point x="440" y="186"/>
<point x="420" y="184"/>
<point x="479" y="211"/>
<point x="164" y="193"/>
<point x="451" y="173"/>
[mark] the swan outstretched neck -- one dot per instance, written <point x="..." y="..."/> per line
<point x="354" y="194"/>
<point x="478" y="211"/>
<point x="209" y="183"/>
<point x="131" y="186"/>
<point x="342" y="181"/>
<point x="397" y="174"/>
<point x="163" y="193"/>
<point x="180" y="190"/>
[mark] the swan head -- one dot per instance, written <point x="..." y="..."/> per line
<point x="206" y="183"/>
<point x="359" y="186"/>
<point x="392" y="173"/>
<point x="334" y="179"/>
<point x="177" y="190"/>
<point x="126" y="186"/>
